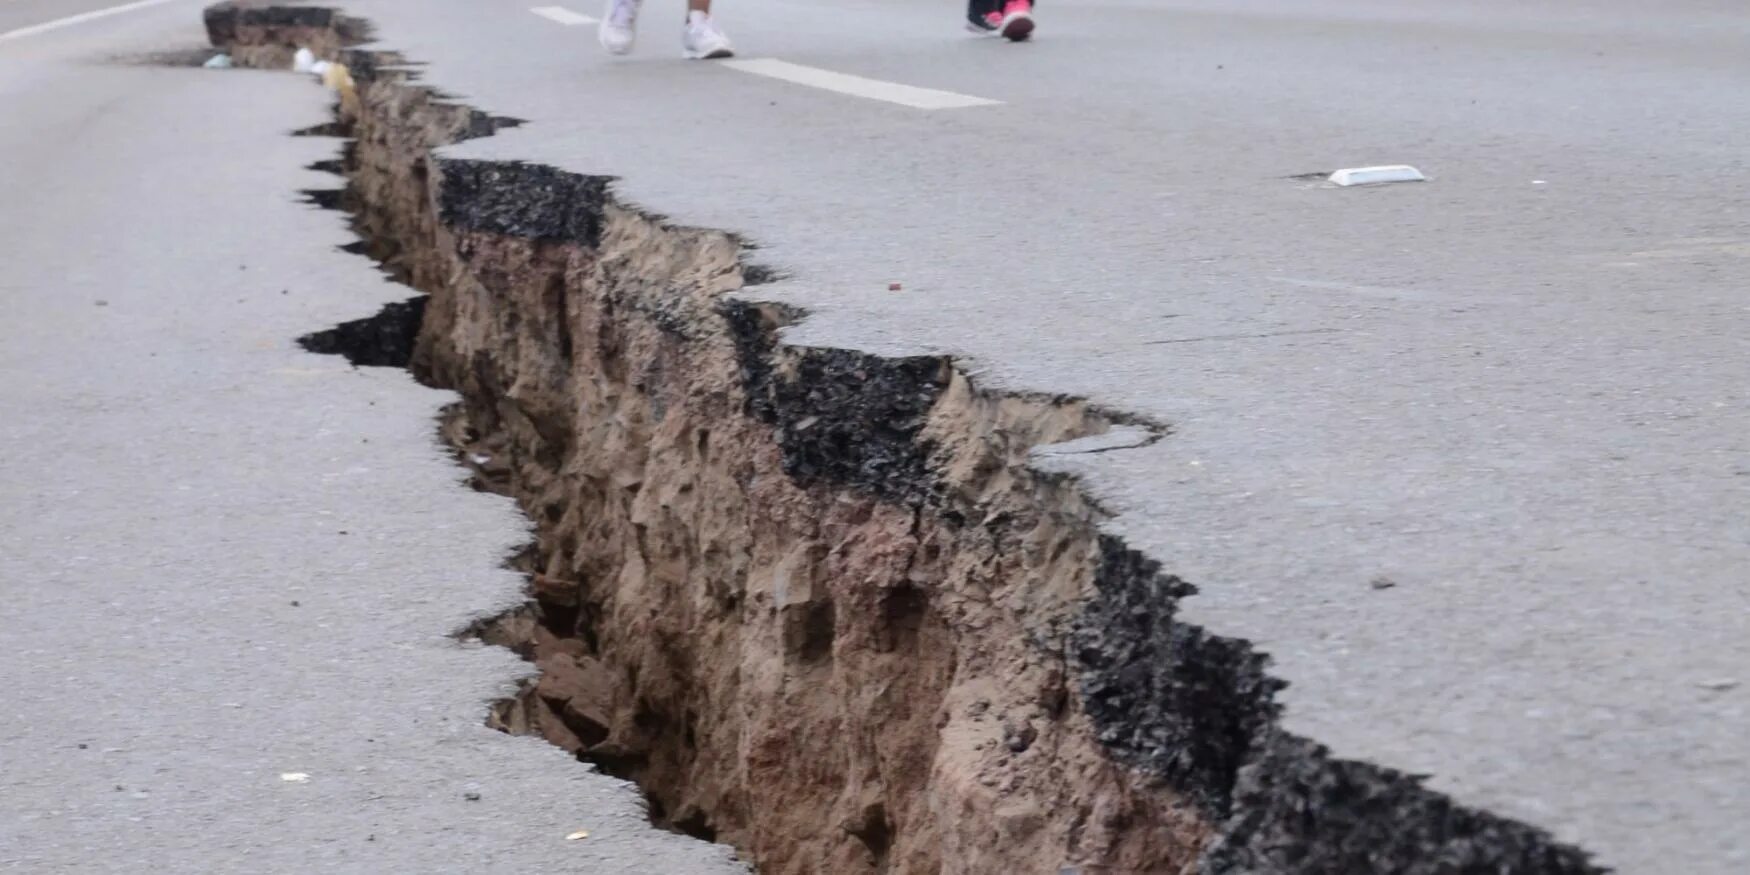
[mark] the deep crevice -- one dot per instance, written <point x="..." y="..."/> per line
<point x="950" y="621"/>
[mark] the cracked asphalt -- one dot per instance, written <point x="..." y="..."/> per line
<point x="1517" y="391"/>
<point x="224" y="560"/>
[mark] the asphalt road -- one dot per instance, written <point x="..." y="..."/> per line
<point x="1517" y="392"/>
<point x="224" y="560"/>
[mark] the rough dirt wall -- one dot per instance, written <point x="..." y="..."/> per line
<point x="752" y="596"/>
<point x="815" y="602"/>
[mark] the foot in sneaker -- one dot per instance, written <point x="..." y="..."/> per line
<point x="984" y="23"/>
<point x="1017" y="23"/>
<point x="619" y="26"/>
<point x="702" y="39"/>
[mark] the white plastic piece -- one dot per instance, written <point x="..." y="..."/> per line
<point x="1377" y="175"/>
<point x="218" y="62"/>
<point x="303" y="61"/>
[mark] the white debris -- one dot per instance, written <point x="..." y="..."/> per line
<point x="303" y="61"/>
<point x="338" y="78"/>
<point x="295" y="777"/>
<point x="1377" y="175"/>
<point x="218" y="62"/>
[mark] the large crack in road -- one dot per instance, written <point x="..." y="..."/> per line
<point x="816" y="602"/>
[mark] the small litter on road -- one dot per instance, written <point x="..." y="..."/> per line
<point x="1382" y="583"/>
<point x="303" y="61"/>
<point x="1719" y="685"/>
<point x="894" y="287"/>
<point x="339" y="80"/>
<point x="1377" y="175"/>
<point x="218" y="62"/>
<point x="295" y="777"/>
<point x="580" y="834"/>
<point x="337" y="77"/>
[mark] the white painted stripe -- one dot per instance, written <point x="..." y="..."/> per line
<point x="81" y="18"/>
<point x="844" y="83"/>
<point x="562" y="15"/>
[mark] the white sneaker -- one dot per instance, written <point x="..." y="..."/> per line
<point x="619" y="27"/>
<point x="702" y="39"/>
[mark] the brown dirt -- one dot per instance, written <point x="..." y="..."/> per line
<point x="826" y="677"/>
<point x="816" y="602"/>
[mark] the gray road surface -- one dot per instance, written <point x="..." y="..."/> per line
<point x="221" y="558"/>
<point x="1517" y="391"/>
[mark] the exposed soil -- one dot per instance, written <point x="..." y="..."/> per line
<point x="814" y="601"/>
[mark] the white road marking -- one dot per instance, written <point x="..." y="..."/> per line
<point x="81" y="18"/>
<point x="844" y="83"/>
<point x="562" y="15"/>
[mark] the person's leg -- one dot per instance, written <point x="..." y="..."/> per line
<point x="702" y="38"/>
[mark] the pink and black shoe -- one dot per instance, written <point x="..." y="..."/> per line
<point x="980" y="19"/>
<point x="1017" y="20"/>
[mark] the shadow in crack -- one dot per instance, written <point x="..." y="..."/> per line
<point x="385" y="340"/>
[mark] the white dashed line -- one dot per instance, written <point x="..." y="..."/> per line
<point x="81" y="18"/>
<point x="844" y="83"/>
<point x="562" y="15"/>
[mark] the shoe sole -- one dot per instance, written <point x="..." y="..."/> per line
<point x="717" y="55"/>
<point x="1017" y="28"/>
